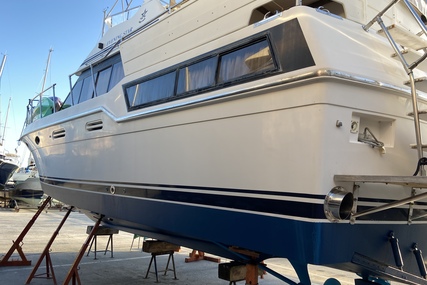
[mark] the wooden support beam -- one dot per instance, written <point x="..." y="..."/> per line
<point x="197" y="255"/>
<point x="251" y="274"/>
<point x="45" y="254"/>
<point x="73" y="272"/>
<point x="17" y="244"/>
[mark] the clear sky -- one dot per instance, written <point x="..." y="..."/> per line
<point x="28" y="29"/>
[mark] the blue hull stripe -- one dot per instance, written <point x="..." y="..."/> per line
<point x="267" y="202"/>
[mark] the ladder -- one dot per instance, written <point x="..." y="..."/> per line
<point x="411" y="40"/>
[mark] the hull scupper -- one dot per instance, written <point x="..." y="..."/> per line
<point x="208" y="118"/>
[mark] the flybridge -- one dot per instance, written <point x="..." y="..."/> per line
<point x="120" y="25"/>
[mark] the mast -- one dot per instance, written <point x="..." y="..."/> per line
<point x="3" y="62"/>
<point x="5" y="122"/>
<point x="45" y="73"/>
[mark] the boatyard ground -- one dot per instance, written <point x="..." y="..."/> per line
<point x="128" y="266"/>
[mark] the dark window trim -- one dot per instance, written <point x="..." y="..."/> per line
<point x="108" y="62"/>
<point x="196" y="90"/>
<point x="264" y="36"/>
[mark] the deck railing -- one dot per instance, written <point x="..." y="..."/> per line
<point x="42" y="105"/>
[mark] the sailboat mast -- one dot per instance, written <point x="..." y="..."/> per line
<point x="5" y="122"/>
<point x="3" y="62"/>
<point x="46" y="71"/>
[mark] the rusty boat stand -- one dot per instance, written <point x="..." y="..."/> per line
<point x="253" y="270"/>
<point x="45" y="254"/>
<point x="73" y="274"/>
<point x="17" y="244"/>
<point x="49" y="274"/>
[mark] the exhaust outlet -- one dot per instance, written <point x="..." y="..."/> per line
<point x="338" y="204"/>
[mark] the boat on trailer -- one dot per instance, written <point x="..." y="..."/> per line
<point x="252" y="130"/>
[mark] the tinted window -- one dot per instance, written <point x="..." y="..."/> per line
<point x="116" y="75"/>
<point x="153" y="90"/>
<point x="197" y="76"/>
<point x="87" y="90"/>
<point x="131" y="95"/>
<point x="248" y="60"/>
<point x="77" y="89"/>
<point x="107" y="74"/>
<point x="103" y="81"/>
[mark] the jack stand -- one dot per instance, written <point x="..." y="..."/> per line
<point x="49" y="267"/>
<point x="73" y="272"/>
<point x="197" y="255"/>
<point x="17" y="244"/>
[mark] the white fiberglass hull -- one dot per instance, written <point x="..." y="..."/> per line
<point x="247" y="163"/>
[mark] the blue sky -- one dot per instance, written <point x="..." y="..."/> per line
<point x="28" y="29"/>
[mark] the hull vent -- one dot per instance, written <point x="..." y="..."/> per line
<point x="58" y="134"/>
<point x="94" y="125"/>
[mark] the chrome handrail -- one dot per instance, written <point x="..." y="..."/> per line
<point x="408" y="67"/>
<point x="39" y="99"/>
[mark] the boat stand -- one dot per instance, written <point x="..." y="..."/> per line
<point x="153" y="258"/>
<point x="17" y="244"/>
<point x="46" y="254"/>
<point x="253" y="264"/>
<point x="73" y="273"/>
<point x="102" y="231"/>
<point x="156" y="248"/>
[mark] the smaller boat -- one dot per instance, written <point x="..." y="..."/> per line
<point x="24" y="186"/>
<point x="23" y="173"/>
<point x="7" y="169"/>
<point x="7" y="164"/>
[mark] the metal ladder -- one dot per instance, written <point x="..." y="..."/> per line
<point x="408" y="40"/>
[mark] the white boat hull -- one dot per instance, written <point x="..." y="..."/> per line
<point x="248" y="164"/>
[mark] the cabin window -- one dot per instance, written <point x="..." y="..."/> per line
<point x="116" y="75"/>
<point x="108" y="78"/>
<point x="107" y="74"/>
<point x="75" y="93"/>
<point x="212" y="71"/>
<point x="151" y="91"/>
<point x="87" y="90"/>
<point x="102" y="81"/>
<point x="197" y="75"/>
<point x="251" y="59"/>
